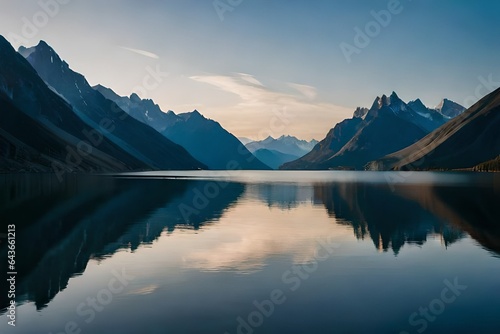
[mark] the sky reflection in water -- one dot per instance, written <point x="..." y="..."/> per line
<point x="397" y="238"/>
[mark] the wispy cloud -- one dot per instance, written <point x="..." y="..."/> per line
<point x="251" y="79"/>
<point x="141" y="52"/>
<point x="249" y="89"/>
<point x="308" y="117"/>
<point x="308" y="91"/>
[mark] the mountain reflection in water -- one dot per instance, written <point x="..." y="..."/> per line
<point x="62" y="226"/>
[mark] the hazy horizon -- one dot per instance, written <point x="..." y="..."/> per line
<point x="274" y="67"/>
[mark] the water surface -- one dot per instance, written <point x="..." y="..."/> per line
<point x="254" y="252"/>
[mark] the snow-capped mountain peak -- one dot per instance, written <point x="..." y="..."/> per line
<point x="285" y="144"/>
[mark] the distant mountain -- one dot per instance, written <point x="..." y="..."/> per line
<point x="272" y="158"/>
<point x="143" y="110"/>
<point x="445" y="111"/>
<point x="245" y="140"/>
<point x="209" y="142"/>
<point x="136" y="138"/>
<point x="40" y="132"/>
<point x="285" y="144"/>
<point x="427" y="118"/>
<point x="336" y="138"/>
<point x="466" y="141"/>
<point x="204" y="138"/>
<point x="450" y="108"/>
<point x="414" y="112"/>
<point x="388" y="126"/>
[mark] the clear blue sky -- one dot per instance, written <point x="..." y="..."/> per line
<point x="269" y="58"/>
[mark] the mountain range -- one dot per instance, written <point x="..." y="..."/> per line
<point x="204" y="138"/>
<point x="388" y="126"/>
<point x="285" y="144"/>
<point x="245" y="140"/>
<point x="40" y="131"/>
<point x="104" y="116"/>
<point x="52" y="120"/>
<point x="276" y="152"/>
<point x="470" y="139"/>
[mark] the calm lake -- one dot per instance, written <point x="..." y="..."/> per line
<point x="253" y="252"/>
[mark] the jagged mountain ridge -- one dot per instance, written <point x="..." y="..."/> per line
<point x="288" y="145"/>
<point x="388" y="126"/>
<point x="39" y="131"/>
<point x="366" y="143"/>
<point x="204" y="138"/>
<point x="136" y="138"/>
<point x="466" y="141"/>
<point x="144" y="110"/>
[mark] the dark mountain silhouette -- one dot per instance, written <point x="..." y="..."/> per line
<point x="466" y="141"/>
<point x="204" y="138"/>
<point x="136" y="138"/>
<point x="39" y="130"/>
